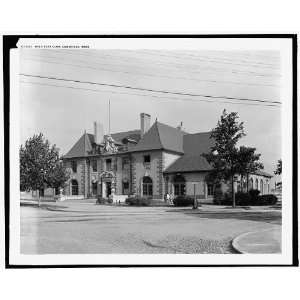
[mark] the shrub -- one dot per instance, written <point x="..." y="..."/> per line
<point x="101" y="200"/>
<point x="227" y="199"/>
<point x="243" y="199"/>
<point x="254" y="193"/>
<point x="183" y="201"/>
<point x="268" y="199"/>
<point x="138" y="201"/>
<point x="218" y="196"/>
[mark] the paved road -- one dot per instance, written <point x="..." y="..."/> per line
<point x="90" y="228"/>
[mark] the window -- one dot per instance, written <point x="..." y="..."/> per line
<point x="210" y="189"/>
<point x="256" y="184"/>
<point x="125" y="163"/>
<point x="261" y="187"/>
<point x="147" y="159"/>
<point x="94" y="165"/>
<point x="74" y="187"/>
<point x="74" y="166"/>
<point x="179" y="185"/>
<point x="125" y="187"/>
<point x="147" y="186"/>
<point x="251" y="184"/>
<point x="108" y="164"/>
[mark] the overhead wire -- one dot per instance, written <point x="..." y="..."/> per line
<point x="150" y="90"/>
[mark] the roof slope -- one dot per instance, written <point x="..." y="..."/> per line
<point x="85" y="142"/>
<point x="189" y="163"/>
<point x="194" y="145"/>
<point x="161" y="136"/>
<point x="197" y="143"/>
<point x="263" y="173"/>
<point x="81" y="147"/>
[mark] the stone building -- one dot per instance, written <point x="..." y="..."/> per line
<point x="151" y="161"/>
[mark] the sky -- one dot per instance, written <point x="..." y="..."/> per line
<point x="62" y="110"/>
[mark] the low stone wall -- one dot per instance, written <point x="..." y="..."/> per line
<point x="69" y="197"/>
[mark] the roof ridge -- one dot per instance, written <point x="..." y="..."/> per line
<point x="161" y="144"/>
<point x="198" y="132"/>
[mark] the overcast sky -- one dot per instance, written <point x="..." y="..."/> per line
<point x="62" y="110"/>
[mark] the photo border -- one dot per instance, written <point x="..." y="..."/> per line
<point x="10" y="42"/>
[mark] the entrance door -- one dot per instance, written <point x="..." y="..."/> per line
<point x="94" y="188"/>
<point x="108" y="189"/>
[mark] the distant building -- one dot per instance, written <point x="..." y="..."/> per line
<point x="151" y="161"/>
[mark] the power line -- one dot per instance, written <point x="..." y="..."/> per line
<point x="148" y="95"/>
<point x="204" y="60"/>
<point x="219" y="60"/>
<point x="152" y="75"/>
<point x="184" y="65"/>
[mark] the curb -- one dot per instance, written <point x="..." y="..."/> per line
<point x="235" y="241"/>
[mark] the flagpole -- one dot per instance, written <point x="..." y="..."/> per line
<point x="109" y="116"/>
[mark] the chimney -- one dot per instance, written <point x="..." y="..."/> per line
<point x="98" y="133"/>
<point x="180" y="127"/>
<point x="145" y="123"/>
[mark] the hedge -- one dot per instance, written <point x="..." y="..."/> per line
<point x="138" y="201"/>
<point x="101" y="200"/>
<point x="183" y="201"/>
<point x="245" y="199"/>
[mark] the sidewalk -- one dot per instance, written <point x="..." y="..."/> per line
<point x="260" y="242"/>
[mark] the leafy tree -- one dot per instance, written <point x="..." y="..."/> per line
<point x="248" y="162"/>
<point x="40" y="165"/>
<point x="278" y="167"/>
<point x="224" y="155"/>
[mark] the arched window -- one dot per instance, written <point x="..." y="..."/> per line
<point x="179" y="185"/>
<point x="261" y="187"/>
<point x="147" y="186"/>
<point x="74" y="187"/>
<point x="251" y="184"/>
<point x="256" y="184"/>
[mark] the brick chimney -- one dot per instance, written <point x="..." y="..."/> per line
<point x="98" y="133"/>
<point x="145" y="123"/>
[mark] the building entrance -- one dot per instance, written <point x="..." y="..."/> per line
<point x="108" y="189"/>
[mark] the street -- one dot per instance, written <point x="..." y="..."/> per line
<point x="90" y="228"/>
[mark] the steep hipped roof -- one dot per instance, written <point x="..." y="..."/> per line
<point x="81" y="147"/>
<point x="189" y="163"/>
<point x="161" y="136"/>
<point x="194" y="145"/>
<point x="84" y="144"/>
<point x="119" y="136"/>
<point x="197" y="143"/>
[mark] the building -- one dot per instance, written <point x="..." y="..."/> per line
<point x="151" y="161"/>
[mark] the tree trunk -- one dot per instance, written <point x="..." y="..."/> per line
<point x="39" y="198"/>
<point x="232" y="190"/>
<point x="247" y="182"/>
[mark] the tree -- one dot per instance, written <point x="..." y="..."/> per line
<point x="248" y="162"/>
<point x="40" y="165"/>
<point x="224" y="157"/>
<point x="278" y="167"/>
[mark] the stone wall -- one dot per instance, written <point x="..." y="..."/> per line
<point x="155" y="172"/>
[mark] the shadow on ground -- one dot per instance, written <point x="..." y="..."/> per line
<point x="266" y="217"/>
